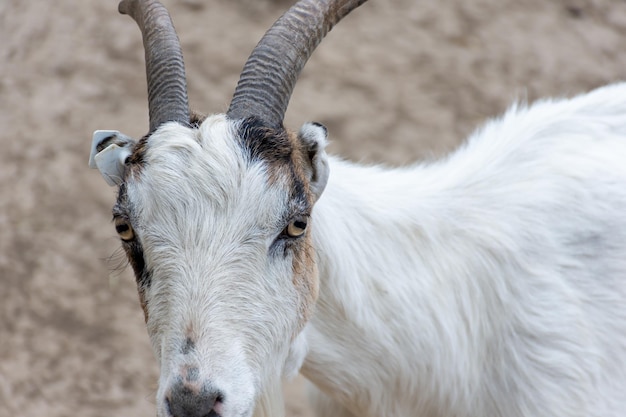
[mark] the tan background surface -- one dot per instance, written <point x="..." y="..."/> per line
<point x="398" y="81"/>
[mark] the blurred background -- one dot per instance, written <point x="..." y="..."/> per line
<point x="397" y="82"/>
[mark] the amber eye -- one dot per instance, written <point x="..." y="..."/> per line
<point x="296" y="228"/>
<point x="124" y="229"/>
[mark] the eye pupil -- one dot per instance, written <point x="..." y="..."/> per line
<point x="124" y="229"/>
<point x="296" y="228"/>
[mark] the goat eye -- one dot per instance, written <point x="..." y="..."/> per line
<point x="296" y="228"/>
<point x="124" y="229"/>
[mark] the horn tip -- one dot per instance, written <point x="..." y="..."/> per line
<point x="124" y="7"/>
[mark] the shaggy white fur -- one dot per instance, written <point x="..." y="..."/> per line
<point x="490" y="283"/>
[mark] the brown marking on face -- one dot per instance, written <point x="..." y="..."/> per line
<point x="272" y="146"/>
<point x="134" y="251"/>
<point x="289" y="160"/>
<point x="136" y="159"/>
<point x="305" y="279"/>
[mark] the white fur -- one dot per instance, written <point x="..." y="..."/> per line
<point x="490" y="283"/>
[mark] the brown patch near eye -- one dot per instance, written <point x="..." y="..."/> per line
<point x="305" y="278"/>
<point x="288" y="162"/>
<point x="283" y="153"/>
<point x="305" y="273"/>
<point x="301" y="161"/>
<point x="134" y="253"/>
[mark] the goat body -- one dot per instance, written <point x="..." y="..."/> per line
<point x="491" y="283"/>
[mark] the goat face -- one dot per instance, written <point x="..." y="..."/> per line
<point x="215" y="222"/>
<point x="215" y="219"/>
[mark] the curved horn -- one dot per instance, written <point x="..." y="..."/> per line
<point x="269" y="76"/>
<point x="165" y="69"/>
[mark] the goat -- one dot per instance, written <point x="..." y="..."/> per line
<point x="489" y="283"/>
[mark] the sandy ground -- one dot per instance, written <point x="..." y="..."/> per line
<point x="397" y="82"/>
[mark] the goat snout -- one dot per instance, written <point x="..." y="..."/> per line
<point x="187" y="398"/>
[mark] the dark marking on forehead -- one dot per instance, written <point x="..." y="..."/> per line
<point x="137" y="158"/>
<point x="273" y="146"/>
<point x="283" y="154"/>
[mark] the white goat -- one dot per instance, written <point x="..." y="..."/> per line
<point x="491" y="283"/>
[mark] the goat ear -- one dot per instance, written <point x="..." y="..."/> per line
<point x="313" y="138"/>
<point x="109" y="151"/>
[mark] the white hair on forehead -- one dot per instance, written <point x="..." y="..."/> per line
<point x="207" y="168"/>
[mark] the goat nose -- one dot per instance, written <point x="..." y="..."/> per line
<point x="187" y="400"/>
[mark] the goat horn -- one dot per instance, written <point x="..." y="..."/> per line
<point x="269" y="76"/>
<point x="165" y="69"/>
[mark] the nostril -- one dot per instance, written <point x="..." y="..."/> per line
<point x="217" y="408"/>
<point x="188" y="401"/>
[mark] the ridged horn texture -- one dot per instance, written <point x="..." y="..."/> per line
<point x="269" y="76"/>
<point x="165" y="69"/>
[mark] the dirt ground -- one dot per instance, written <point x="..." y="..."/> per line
<point x="396" y="82"/>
